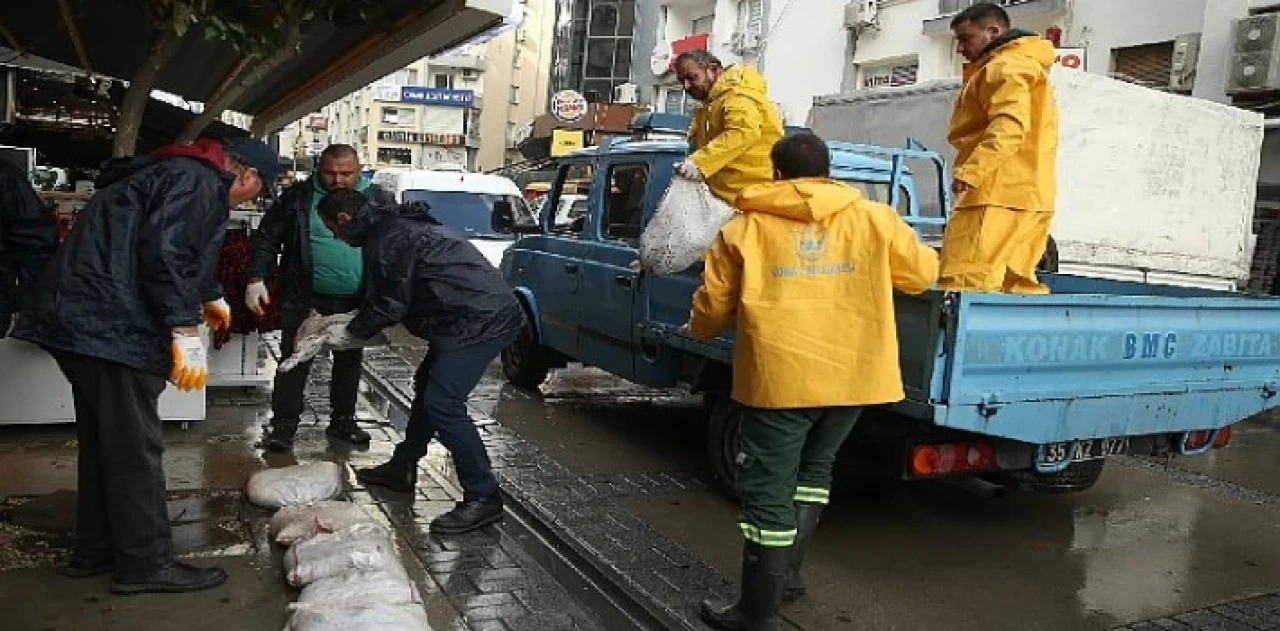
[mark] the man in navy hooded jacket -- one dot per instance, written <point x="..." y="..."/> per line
<point x="119" y="309"/>
<point x="442" y="289"/>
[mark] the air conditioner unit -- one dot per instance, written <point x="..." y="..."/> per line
<point x="1255" y="63"/>
<point x="1186" y="56"/>
<point x="627" y="93"/>
<point x="861" y="14"/>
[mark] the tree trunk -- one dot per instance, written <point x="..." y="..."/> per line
<point x="163" y="47"/>
<point x="222" y="100"/>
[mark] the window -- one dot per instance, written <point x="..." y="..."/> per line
<point x="411" y="76"/>
<point x="395" y="156"/>
<point x="397" y="116"/>
<point x="675" y="101"/>
<point x="703" y="24"/>
<point x="880" y="75"/>
<point x="442" y="81"/>
<point x="470" y="214"/>
<point x="1149" y="65"/>
<point x="751" y="16"/>
<point x="624" y="206"/>
<point x="593" y="49"/>
<point x="570" y="212"/>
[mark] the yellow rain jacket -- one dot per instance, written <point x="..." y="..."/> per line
<point x="809" y="270"/>
<point x="1005" y="127"/>
<point x="733" y="133"/>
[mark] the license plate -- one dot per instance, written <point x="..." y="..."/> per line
<point x="1084" y="450"/>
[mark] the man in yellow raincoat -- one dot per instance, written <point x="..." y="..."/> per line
<point x="733" y="131"/>
<point x="1005" y="128"/>
<point x="808" y="270"/>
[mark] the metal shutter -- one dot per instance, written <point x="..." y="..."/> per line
<point x="1149" y="64"/>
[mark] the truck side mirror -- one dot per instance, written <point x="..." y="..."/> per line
<point x="503" y="219"/>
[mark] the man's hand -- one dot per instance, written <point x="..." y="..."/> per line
<point x="190" y="364"/>
<point x="689" y="171"/>
<point x="256" y="296"/>
<point x="217" y="314"/>
<point x="959" y="186"/>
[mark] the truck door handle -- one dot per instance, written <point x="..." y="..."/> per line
<point x="625" y="281"/>
<point x="571" y="268"/>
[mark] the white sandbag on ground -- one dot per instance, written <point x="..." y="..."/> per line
<point x="684" y="225"/>
<point x="359" y="548"/>
<point x="295" y="523"/>
<point x="357" y="618"/>
<point x="362" y="588"/>
<point x="299" y="484"/>
<point x="313" y="333"/>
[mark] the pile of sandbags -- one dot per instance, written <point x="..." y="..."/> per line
<point x="344" y="561"/>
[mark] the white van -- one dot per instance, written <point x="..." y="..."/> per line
<point x="461" y="201"/>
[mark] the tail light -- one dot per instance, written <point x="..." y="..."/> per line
<point x="1197" y="440"/>
<point x="1224" y="437"/>
<point x="951" y="458"/>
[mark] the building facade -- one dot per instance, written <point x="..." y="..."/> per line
<point x="516" y="82"/>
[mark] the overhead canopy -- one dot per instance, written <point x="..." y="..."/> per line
<point x="113" y="37"/>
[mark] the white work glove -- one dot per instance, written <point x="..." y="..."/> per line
<point x="217" y="314"/>
<point x="689" y="171"/>
<point x="190" y="364"/>
<point x="256" y="297"/>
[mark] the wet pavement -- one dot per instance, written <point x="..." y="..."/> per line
<point x="1189" y="544"/>
<point x="482" y="581"/>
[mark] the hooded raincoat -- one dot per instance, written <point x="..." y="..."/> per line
<point x="809" y="270"/>
<point x="732" y="134"/>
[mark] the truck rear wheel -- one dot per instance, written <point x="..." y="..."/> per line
<point x="525" y="363"/>
<point x="1077" y="477"/>
<point x="724" y="439"/>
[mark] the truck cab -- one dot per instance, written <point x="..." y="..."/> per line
<point x="1034" y="390"/>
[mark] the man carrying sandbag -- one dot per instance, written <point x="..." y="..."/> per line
<point x="1005" y="129"/>
<point x="435" y="282"/>
<point x="808" y="271"/>
<point x="732" y="133"/>
<point x="119" y="308"/>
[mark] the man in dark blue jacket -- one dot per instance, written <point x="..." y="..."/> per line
<point x="119" y="308"/>
<point x="442" y="289"/>
<point x="317" y="271"/>
<point x="28" y="238"/>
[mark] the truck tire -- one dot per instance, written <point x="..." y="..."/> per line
<point x="1077" y="477"/>
<point x="1049" y="261"/>
<point x="526" y="363"/>
<point x="724" y="436"/>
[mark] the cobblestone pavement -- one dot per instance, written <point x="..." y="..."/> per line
<point x="626" y="518"/>
<point x="488" y="576"/>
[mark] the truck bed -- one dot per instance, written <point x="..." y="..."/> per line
<point x="1099" y="358"/>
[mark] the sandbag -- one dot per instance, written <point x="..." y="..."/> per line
<point x="295" y="523"/>
<point x="299" y="484"/>
<point x="378" y="587"/>
<point x="350" y="617"/>
<point x="313" y="334"/>
<point x="684" y="225"/>
<point x="359" y="548"/>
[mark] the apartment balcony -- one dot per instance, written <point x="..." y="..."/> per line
<point x="460" y="62"/>
<point x="947" y="9"/>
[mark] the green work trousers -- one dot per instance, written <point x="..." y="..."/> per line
<point x="787" y="457"/>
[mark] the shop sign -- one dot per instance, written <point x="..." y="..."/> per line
<point x="890" y="75"/>
<point x="386" y="93"/>
<point x="566" y="141"/>
<point x="436" y="96"/>
<point x="414" y="137"/>
<point x="1072" y="58"/>
<point x="701" y="41"/>
<point x="568" y="106"/>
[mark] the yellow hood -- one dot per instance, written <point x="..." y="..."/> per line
<point x="804" y="200"/>
<point x="742" y="79"/>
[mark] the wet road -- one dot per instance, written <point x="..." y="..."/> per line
<point x="1146" y="542"/>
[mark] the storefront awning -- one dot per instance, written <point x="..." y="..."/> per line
<point x="112" y="40"/>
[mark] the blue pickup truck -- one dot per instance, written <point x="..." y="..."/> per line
<point x="1032" y="391"/>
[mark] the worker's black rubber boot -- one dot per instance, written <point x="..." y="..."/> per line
<point x="390" y="475"/>
<point x="468" y="516"/>
<point x="807" y="517"/>
<point x="346" y="429"/>
<point x="764" y="573"/>
<point x="84" y="568"/>
<point x="280" y="437"/>
<point x="174" y="578"/>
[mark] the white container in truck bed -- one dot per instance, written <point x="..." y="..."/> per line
<point x="1151" y="186"/>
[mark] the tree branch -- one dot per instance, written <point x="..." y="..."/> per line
<point x="163" y="47"/>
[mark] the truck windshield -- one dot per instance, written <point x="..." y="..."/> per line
<point x="469" y="213"/>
